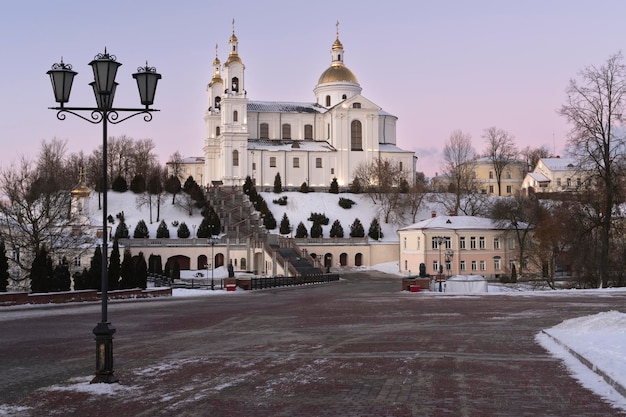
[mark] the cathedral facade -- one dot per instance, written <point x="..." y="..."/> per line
<point x="309" y="143"/>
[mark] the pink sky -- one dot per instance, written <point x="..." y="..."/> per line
<point x="438" y="66"/>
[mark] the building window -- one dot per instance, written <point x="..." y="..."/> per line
<point x="272" y="161"/>
<point x="286" y="131"/>
<point x="217" y="131"/>
<point x="332" y="171"/>
<point x="356" y="105"/>
<point x="474" y="266"/>
<point x="343" y="96"/>
<point x="308" y="132"/>
<point x="77" y="261"/>
<point x="264" y="131"/>
<point x="235" y="116"/>
<point x="496" y="263"/>
<point x="218" y="102"/>
<point x="254" y="166"/>
<point x="578" y="182"/>
<point x="462" y="242"/>
<point x="462" y="266"/>
<point x="490" y="175"/>
<point x="472" y="242"/>
<point x="356" y="136"/>
<point x="511" y="243"/>
<point x="509" y="189"/>
<point x="296" y="162"/>
<point x="328" y="131"/>
<point x="508" y="175"/>
<point x="491" y="189"/>
<point x="569" y="182"/>
<point x="496" y="243"/>
<point x="483" y="265"/>
<point x="404" y="243"/>
<point x="327" y="101"/>
<point x="400" y="166"/>
<point x="448" y="265"/>
<point x="481" y="242"/>
<point x="235" y="84"/>
<point x="318" y="162"/>
<point x="235" y="158"/>
<point x="558" y="182"/>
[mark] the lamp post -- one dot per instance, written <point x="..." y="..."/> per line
<point x="449" y="256"/>
<point x="104" y="68"/>
<point x="212" y="242"/>
<point x="439" y="240"/>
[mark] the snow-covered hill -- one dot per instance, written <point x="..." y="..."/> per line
<point x="299" y="207"/>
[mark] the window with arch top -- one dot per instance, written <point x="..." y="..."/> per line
<point x="356" y="136"/>
<point x="264" y="131"/>
<point x="308" y="132"/>
<point x="235" y="84"/>
<point x="235" y="158"/>
<point x="217" y="131"/>
<point x="327" y="101"/>
<point x="286" y="131"/>
<point x="235" y="116"/>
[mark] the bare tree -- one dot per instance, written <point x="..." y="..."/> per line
<point x="176" y="166"/>
<point x="501" y="151"/>
<point x="34" y="214"/>
<point x="142" y="157"/>
<point x="519" y="215"/>
<point x="412" y="200"/>
<point x="381" y="180"/>
<point x="595" y="108"/>
<point x="458" y="164"/>
<point x="531" y="156"/>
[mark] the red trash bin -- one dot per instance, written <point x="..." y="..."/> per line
<point x="415" y="288"/>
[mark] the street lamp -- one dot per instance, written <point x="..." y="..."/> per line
<point x="104" y="68"/>
<point x="212" y="242"/>
<point x="439" y="240"/>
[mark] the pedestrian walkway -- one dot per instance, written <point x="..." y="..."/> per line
<point x="359" y="347"/>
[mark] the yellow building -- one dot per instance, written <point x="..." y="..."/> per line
<point x="486" y="178"/>
<point x="458" y="245"/>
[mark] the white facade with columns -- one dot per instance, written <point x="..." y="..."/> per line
<point x="303" y="142"/>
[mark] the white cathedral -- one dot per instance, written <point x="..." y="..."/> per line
<point x="303" y="142"/>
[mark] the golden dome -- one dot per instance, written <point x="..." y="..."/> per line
<point x="336" y="73"/>
<point x="81" y="191"/>
<point x="337" y="45"/>
<point x="233" y="58"/>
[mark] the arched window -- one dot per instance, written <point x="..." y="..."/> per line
<point x="286" y="131"/>
<point x="358" y="259"/>
<point x="218" y="102"/>
<point x="235" y="116"/>
<point x="343" y="97"/>
<point x="235" y="84"/>
<point x="308" y="131"/>
<point x="264" y="131"/>
<point x="356" y="136"/>
<point x="235" y="158"/>
<point x="327" y="101"/>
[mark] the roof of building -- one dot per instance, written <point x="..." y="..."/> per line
<point x="284" y="107"/>
<point x="390" y="147"/>
<point x="289" y="145"/>
<point x="559" y="164"/>
<point x="337" y="72"/>
<point x="538" y="177"/>
<point x="455" y="223"/>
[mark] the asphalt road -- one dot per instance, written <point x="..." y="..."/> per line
<point x="359" y="347"/>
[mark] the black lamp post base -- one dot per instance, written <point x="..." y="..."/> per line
<point x="104" y="354"/>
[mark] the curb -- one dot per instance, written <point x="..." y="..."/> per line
<point x="613" y="383"/>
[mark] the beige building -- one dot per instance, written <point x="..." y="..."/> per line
<point x="553" y="175"/>
<point x="457" y="245"/>
<point x="510" y="183"/>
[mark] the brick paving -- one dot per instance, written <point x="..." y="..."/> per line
<point x="360" y="347"/>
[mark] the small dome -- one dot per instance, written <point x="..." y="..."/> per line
<point x="81" y="191"/>
<point x="336" y="73"/>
